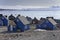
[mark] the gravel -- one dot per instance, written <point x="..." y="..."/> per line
<point x="31" y="35"/>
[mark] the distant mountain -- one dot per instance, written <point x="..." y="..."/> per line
<point x="53" y="8"/>
<point x="10" y="9"/>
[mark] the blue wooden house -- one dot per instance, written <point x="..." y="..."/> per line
<point x="19" y="23"/>
<point x="3" y="20"/>
<point x="48" y="24"/>
<point x="22" y="23"/>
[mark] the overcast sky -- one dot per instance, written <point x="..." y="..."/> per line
<point x="31" y="4"/>
<point x="28" y="3"/>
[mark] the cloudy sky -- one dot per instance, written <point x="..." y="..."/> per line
<point x="28" y="3"/>
<point x="31" y="4"/>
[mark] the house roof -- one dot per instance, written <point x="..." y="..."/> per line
<point x="48" y="19"/>
<point x="23" y="20"/>
<point x="57" y="20"/>
<point x="52" y="21"/>
<point x="42" y="20"/>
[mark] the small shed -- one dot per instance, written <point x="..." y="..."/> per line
<point x="11" y="24"/>
<point x="29" y="19"/>
<point x="35" y="21"/>
<point x="48" y="24"/>
<point x="22" y="23"/>
<point x="3" y="20"/>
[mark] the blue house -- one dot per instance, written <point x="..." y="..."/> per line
<point x="22" y="23"/>
<point x="48" y="24"/>
<point x="3" y="20"/>
<point x="19" y="23"/>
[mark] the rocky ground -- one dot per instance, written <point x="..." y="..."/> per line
<point x="32" y="35"/>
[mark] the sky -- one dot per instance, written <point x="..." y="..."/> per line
<point x="28" y="3"/>
<point x="18" y="4"/>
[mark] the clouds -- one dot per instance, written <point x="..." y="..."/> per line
<point x="27" y="2"/>
<point x="8" y="2"/>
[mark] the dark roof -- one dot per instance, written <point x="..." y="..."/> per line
<point x="57" y="20"/>
<point x="1" y="15"/>
<point x="42" y="20"/>
<point x="11" y="17"/>
<point x="50" y="17"/>
<point x="29" y="18"/>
